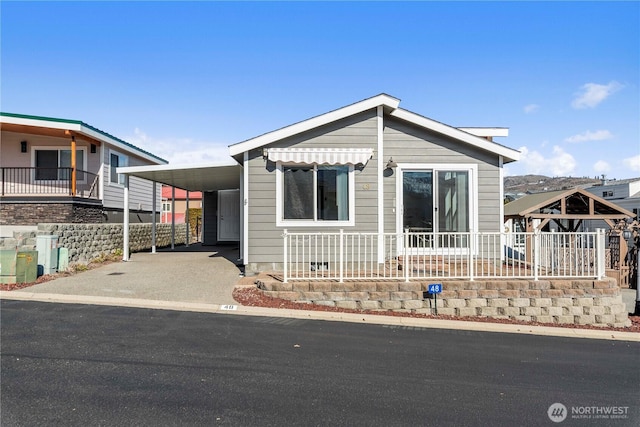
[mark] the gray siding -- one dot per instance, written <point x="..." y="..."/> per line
<point x="265" y="239"/>
<point x="404" y="142"/>
<point x="140" y="190"/>
<point x="409" y="144"/>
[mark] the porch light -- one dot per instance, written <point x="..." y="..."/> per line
<point x="23" y="146"/>
<point x="391" y="164"/>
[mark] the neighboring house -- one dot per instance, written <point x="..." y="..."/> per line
<point x="625" y="193"/>
<point x="369" y="167"/>
<point x="174" y="204"/>
<point x="58" y="170"/>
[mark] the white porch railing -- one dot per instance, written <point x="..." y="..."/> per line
<point x="410" y="255"/>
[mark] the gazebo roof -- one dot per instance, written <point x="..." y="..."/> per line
<point x="575" y="204"/>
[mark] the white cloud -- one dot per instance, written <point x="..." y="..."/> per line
<point x="531" y="108"/>
<point x="598" y="135"/>
<point x="181" y="151"/>
<point x="601" y="167"/>
<point x="560" y="163"/>
<point x="632" y="163"/>
<point x="592" y="94"/>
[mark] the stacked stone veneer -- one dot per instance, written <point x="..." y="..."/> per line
<point x="89" y="241"/>
<point x="584" y="302"/>
<point x="32" y="213"/>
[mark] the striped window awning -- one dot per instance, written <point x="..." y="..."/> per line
<point x="320" y="156"/>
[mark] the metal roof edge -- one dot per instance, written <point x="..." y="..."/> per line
<point x="86" y="128"/>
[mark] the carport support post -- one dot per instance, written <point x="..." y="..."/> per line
<point x="173" y="218"/>
<point x="125" y="221"/>
<point x="186" y="217"/>
<point x="153" y="219"/>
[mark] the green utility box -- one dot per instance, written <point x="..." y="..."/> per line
<point x="26" y="266"/>
<point x="8" y="266"/>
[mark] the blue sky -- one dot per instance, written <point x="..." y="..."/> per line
<point x="185" y="80"/>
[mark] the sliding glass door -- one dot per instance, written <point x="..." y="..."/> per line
<point x="435" y="202"/>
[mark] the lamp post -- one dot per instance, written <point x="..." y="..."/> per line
<point x="632" y="235"/>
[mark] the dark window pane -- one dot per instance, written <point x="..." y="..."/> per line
<point x="115" y="160"/>
<point x="417" y="197"/>
<point x="46" y="164"/>
<point x="298" y="193"/>
<point x="333" y="193"/>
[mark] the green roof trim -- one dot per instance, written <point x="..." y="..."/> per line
<point x="81" y="123"/>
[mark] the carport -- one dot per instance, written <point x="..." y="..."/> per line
<point x="204" y="178"/>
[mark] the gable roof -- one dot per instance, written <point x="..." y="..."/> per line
<point x="575" y="203"/>
<point x="79" y="127"/>
<point x="390" y="105"/>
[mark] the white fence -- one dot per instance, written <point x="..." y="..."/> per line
<point x="405" y="256"/>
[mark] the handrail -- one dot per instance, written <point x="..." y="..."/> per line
<point x="38" y="181"/>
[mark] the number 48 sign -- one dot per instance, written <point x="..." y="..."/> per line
<point x="435" y="288"/>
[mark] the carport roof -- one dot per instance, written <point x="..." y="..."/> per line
<point x="210" y="177"/>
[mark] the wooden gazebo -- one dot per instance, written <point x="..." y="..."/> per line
<point x="568" y="209"/>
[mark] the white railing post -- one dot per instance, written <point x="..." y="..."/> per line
<point x="286" y="256"/>
<point x="472" y="247"/>
<point x="536" y="254"/>
<point x="406" y="259"/>
<point x="600" y="257"/>
<point x="341" y="255"/>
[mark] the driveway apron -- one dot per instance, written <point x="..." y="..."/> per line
<point x="204" y="274"/>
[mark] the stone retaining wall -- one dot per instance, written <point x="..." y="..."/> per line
<point x="584" y="302"/>
<point x="88" y="241"/>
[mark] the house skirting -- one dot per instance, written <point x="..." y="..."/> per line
<point x="583" y="302"/>
<point x="66" y="210"/>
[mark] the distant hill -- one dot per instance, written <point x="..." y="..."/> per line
<point x="540" y="183"/>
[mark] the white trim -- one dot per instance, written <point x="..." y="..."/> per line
<point x="475" y="141"/>
<point x="471" y="168"/>
<point x="280" y="222"/>
<point x="102" y="173"/>
<point x="381" y="167"/>
<point x="501" y="195"/>
<point x="312" y="123"/>
<point x="244" y="197"/>
<point x="486" y="132"/>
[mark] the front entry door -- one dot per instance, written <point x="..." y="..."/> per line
<point x="435" y="201"/>
<point x="229" y="215"/>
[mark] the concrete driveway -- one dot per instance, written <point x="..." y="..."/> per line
<point x="202" y="274"/>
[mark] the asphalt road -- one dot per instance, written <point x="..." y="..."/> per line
<point x="65" y="364"/>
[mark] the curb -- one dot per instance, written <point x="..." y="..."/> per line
<point x="372" y="319"/>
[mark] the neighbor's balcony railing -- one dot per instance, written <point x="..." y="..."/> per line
<point x="406" y="256"/>
<point x="32" y="181"/>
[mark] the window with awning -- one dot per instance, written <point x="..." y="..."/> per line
<point x="316" y="185"/>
